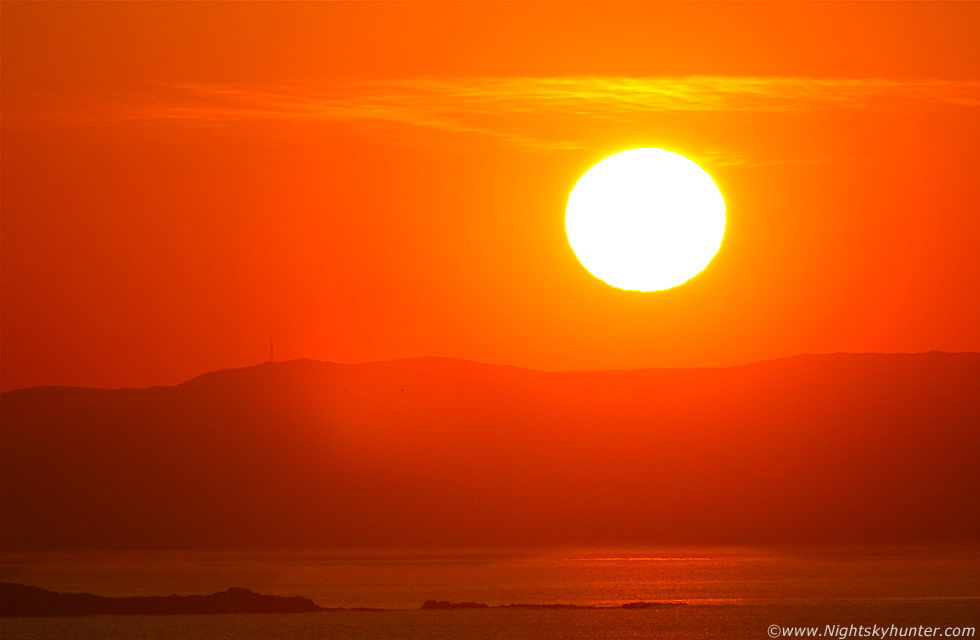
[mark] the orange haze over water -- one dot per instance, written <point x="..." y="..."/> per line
<point x="374" y="181"/>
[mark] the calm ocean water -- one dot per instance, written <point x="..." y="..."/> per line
<point x="728" y="592"/>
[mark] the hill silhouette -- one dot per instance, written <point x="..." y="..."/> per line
<point x="831" y="448"/>
<point x="26" y="601"/>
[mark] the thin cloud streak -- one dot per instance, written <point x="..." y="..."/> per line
<point x="496" y="106"/>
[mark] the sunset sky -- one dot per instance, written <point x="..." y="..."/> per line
<point x="182" y="181"/>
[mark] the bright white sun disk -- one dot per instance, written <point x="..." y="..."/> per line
<point x="645" y="219"/>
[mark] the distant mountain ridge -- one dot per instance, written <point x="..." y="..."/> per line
<point x="462" y="362"/>
<point x="829" y="448"/>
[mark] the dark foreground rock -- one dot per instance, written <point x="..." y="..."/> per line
<point x="19" y="600"/>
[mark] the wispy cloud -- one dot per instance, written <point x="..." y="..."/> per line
<point x="500" y="107"/>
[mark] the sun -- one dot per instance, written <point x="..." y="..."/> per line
<point x="645" y="219"/>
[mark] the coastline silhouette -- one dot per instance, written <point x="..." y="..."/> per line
<point x="20" y="600"/>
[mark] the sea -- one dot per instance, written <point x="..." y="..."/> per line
<point x="719" y="592"/>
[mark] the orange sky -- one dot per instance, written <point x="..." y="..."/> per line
<point x="373" y="181"/>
